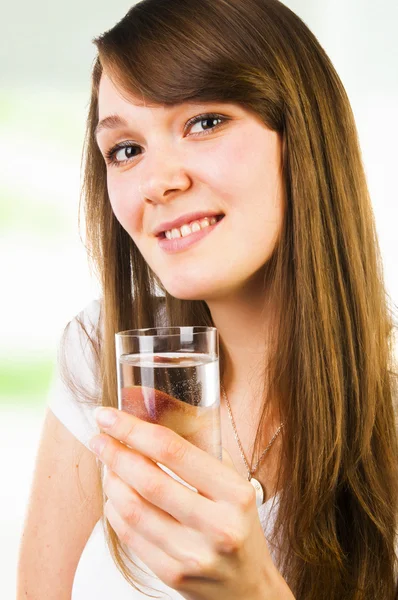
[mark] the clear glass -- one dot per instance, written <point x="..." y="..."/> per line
<point x="170" y="376"/>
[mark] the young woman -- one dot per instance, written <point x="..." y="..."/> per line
<point x="230" y="114"/>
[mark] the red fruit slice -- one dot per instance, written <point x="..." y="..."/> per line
<point x="200" y="425"/>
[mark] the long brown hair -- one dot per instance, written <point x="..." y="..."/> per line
<point x="332" y="368"/>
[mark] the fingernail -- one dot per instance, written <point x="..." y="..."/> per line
<point x="105" y="417"/>
<point x="97" y="444"/>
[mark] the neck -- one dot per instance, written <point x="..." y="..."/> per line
<point x="243" y="323"/>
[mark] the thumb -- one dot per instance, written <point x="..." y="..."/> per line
<point x="227" y="460"/>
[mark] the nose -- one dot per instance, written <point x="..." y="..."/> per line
<point x="163" y="176"/>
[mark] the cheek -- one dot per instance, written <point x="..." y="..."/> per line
<point x="224" y="169"/>
<point x="124" y="204"/>
<point x="244" y="168"/>
<point x="246" y="173"/>
<point x="252" y="172"/>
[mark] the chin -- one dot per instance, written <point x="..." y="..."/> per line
<point x="188" y="289"/>
<point x="200" y="292"/>
<point x="184" y="294"/>
<point x="193" y="282"/>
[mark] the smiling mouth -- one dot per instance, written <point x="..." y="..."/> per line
<point x="218" y="218"/>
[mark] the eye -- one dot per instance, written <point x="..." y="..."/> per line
<point x="209" y="119"/>
<point x="123" y="152"/>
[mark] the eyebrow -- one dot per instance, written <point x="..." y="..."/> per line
<point x="111" y="122"/>
<point x="116" y="122"/>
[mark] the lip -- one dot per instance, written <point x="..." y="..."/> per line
<point x="182" y="243"/>
<point x="184" y="219"/>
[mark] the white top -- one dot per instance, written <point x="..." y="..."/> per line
<point x="97" y="576"/>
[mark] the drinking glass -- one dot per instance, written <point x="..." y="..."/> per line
<point x="170" y="376"/>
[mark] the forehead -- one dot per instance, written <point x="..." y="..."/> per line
<point x="113" y="101"/>
<point x="110" y="96"/>
<point x="116" y="110"/>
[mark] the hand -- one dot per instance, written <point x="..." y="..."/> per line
<point x="207" y="545"/>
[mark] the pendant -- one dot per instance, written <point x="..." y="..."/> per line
<point x="259" y="491"/>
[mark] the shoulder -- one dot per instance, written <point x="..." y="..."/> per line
<point x="83" y="333"/>
<point x="83" y="330"/>
<point x="78" y="351"/>
<point x="89" y="318"/>
<point x="92" y="311"/>
<point x="75" y="389"/>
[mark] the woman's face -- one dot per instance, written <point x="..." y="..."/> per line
<point x="228" y="163"/>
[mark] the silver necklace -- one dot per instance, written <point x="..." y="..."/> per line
<point x="255" y="483"/>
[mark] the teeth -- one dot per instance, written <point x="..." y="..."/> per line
<point x="186" y="230"/>
<point x="175" y="233"/>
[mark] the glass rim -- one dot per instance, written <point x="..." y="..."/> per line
<point x="177" y="328"/>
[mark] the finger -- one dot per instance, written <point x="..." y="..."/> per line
<point x="148" y="520"/>
<point x="152" y="523"/>
<point x="218" y="522"/>
<point x="189" y="462"/>
<point x="159" y="563"/>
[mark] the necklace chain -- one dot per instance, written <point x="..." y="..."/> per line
<point x="250" y="472"/>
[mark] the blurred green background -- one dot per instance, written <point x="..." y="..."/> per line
<point x="46" y="56"/>
<point x="44" y="267"/>
<point x="40" y="137"/>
